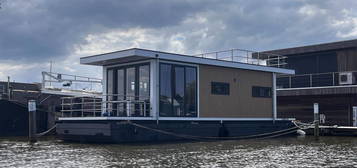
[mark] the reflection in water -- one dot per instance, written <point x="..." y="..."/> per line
<point x="283" y="152"/>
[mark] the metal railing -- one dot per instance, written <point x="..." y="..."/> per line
<point x="108" y="105"/>
<point x="2" y="89"/>
<point x="70" y="83"/>
<point x="311" y="80"/>
<point x="248" y="57"/>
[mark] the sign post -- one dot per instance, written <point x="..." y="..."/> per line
<point x="354" y="109"/>
<point x="32" y="120"/>
<point x="316" y="121"/>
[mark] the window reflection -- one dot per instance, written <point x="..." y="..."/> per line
<point x="130" y="86"/>
<point x="178" y="91"/>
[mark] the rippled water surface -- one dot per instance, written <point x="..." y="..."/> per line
<point x="283" y="152"/>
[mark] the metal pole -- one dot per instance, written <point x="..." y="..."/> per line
<point x="354" y="110"/>
<point x="316" y="121"/>
<point x="32" y="121"/>
<point x="8" y="88"/>
<point x="274" y="98"/>
<point x="94" y="107"/>
<point x="232" y="55"/>
<point x="310" y="80"/>
<point x="82" y="106"/>
<point x="278" y="62"/>
<point x="247" y="57"/>
<point x="50" y="71"/>
<point x="333" y="78"/>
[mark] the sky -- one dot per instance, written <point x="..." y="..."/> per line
<point x="35" y="32"/>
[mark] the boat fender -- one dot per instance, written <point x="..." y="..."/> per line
<point x="301" y="132"/>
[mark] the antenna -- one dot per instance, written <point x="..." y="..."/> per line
<point x="50" y="71"/>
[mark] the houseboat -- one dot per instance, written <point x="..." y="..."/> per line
<point x="158" y="96"/>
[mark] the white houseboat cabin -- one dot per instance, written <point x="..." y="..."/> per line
<point x="153" y="96"/>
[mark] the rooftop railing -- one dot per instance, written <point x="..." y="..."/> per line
<point x="248" y="57"/>
<point x="315" y="80"/>
<point x="114" y="105"/>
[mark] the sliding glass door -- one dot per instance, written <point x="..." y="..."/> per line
<point x="178" y="91"/>
<point x="129" y="88"/>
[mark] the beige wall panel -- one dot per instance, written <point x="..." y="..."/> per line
<point x="240" y="102"/>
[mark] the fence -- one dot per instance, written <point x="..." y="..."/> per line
<point x="246" y="56"/>
<point x="108" y="105"/>
<point x="310" y="80"/>
<point x="74" y="83"/>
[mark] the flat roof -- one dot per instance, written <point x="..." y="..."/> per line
<point x="137" y="54"/>
<point x="315" y="48"/>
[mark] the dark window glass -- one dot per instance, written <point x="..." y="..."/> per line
<point x="165" y="90"/>
<point x="179" y="93"/>
<point x="308" y="63"/>
<point x="220" y="88"/>
<point x="258" y="91"/>
<point x="191" y="92"/>
<point x="110" y="89"/>
<point x="130" y="82"/>
<point x="144" y="82"/>
<point x="110" y="82"/>
<point x="120" y="84"/>
<point x="121" y="92"/>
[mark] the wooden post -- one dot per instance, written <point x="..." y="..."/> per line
<point x="32" y="120"/>
<point x="316" y="121"/>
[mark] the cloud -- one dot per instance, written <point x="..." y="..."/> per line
<point x="37" y="31"/>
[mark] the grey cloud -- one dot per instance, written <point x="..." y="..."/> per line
<point x="39" y="30"/>
<point x="35" y="30"/>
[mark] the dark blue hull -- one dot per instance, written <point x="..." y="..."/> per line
<point x="153" y="131"/>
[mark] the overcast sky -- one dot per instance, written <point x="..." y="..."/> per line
<point x="35" y="32"/>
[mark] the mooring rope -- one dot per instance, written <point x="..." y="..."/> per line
<point x="302" y="125"/>
<point x="46" y="132"/>
<point x="192" y="137"/>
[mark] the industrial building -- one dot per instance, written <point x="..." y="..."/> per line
<point x="325" y="74"/>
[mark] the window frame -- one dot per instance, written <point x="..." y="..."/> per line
<point x="220" y="84"/>
<point x="173" y="85"/>
<point x="256" y="93"/>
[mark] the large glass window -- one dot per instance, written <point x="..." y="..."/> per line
<point x="165" y="90"/>
<point x="178" y="91"/>
<point x="191" y="92"/>
<point x="131" y="83"/>
<point x="144" y="82"/>
<point x="121" y="92"/>
<point x="120" y="84"/>
<point x="110" y="89"/>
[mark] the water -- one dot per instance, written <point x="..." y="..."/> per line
<point x="283" y="152"/>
